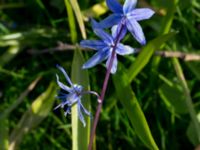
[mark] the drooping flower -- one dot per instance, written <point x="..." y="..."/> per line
<point x="72" y="97"/>
<point x="128" y="16"/>
<point x="104" y="48"/>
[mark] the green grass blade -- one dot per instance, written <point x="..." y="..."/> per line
<point x="146" y="54"/>
<point x="173" y="97"/>
<point x="80" y="135"/>
<point x="39" y="109"/>
<point x="72" y="24"/>
<point x="43" y="8"/>
<point x="4" y="134"/>
<point x="168" y="19"/>
<point x="79" y="17"/>
<point x="166" y="24"/>
<point x="133" y="109"/>
<point x="8" y="55"/>
<point x="194" y="67"/>
<point x="188" y="98"/>
<point x="191" y="132"/>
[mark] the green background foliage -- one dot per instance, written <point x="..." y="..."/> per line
<point x="152" y="101"/>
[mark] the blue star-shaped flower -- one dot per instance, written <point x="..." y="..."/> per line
<point x="73" y="97"/>
<point x="104" y="48"/>
<point x="128" y="16"/>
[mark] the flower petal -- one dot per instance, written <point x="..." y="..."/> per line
<point x="129" y="5"/>
<point x="116" y="29"/>
<point x="114" y="6"/>
<point x="104" y="36"/>
<point x="68" y="111"/>
<point x="136" y="30"/>
<point x="124" y="49"/>
<point x="80" y="115"/>
<point x="97" y="58"/>
<point x="62" y="86"/>
<point x="110" y="21"/>
<point x="114" y="65"/>
<point x="92" y="44"/>
<point x="141" y="14"/>
<point x="65" y="74"/>
<point x="84" y="110"/>
<point x="95" y="24"/>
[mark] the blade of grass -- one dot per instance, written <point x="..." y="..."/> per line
<point x="80" y="134"/>
<point x="20" y="99"/>
<point x="42" y="6"/>
<point x="132" y="107"/>
<point x="11" y="52"/>
<point x="79" y="17"/>
<point x="39" y="109"/>
<point x="146" y="54"/>
<point x="166" y="24"/>
<point x="186" y="92"/>
<point x="72" y="24"/>
<point x="3" y="134"/>
<point x="12" y="5"/>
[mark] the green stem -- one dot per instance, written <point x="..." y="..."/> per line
<point x="186" y="90"/>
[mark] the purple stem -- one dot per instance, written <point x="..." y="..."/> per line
<point x="96" y="119"/>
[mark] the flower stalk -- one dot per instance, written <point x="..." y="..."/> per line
<point x="105" y="84"/>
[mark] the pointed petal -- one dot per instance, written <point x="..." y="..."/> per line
<point x="110" y="21"/>
<point x="114" y="6"/>
<point x="95" y="24"/>
<point x="129" y="5"/>
<point x="97" y="58"/>
<point x="114" y="65"/>
<point x="140" y="14"/>
<point x="104" y="36"/>
<point x="124" y="49"/>
<point x="65" y="74"/>
<point x="57" y="106"/>
<point x="116" y="29"/>
<point x="68" y="111"/>
<point x="92" y="44"/>
<point x="85" y="110"/>
<point x="81" y="117"/>
<point x="136" y="30"/>
<point x="62" y="86"/>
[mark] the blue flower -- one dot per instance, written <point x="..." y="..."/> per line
<point x="73" y="97"/>
<point x="128" y="16"/>
<point x="104" y="48"/>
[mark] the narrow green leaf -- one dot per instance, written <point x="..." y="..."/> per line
<point x="191" y="132"/>
<point x="188" y="98"/>
<point x="4" y="134"/>
<point x="79" y="17"/>
<point x="194" y="67"/>
<point x="173" y="98"/>
<point x="8" y="55"/>
<point x="80" y="134"/>
<point x="72" y="24"/>
<point x="42" y="6"/>
<point x="39" y="109"/>
<point x="133" y="109"/>
<point x="166" y="24"/>
<point x="168" y="19"/>
<point x="146" y="54"/>
<point x="12" y="5"/>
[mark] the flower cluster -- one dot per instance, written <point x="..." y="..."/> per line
<point x="72" y="96"/>
<point x="124" y="18"/>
